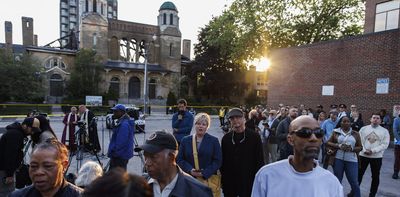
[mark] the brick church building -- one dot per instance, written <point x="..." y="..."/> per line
<point x="122" y="44"/>
<point x="361" y="70"/>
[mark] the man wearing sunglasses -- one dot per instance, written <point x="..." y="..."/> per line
<point x="300" y="174"/>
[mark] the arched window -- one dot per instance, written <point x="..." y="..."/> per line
<point x="132" y="50"/>
<point x="152" y="89"/>
<point x="134" y="88"/>
<point x="114" y="86"/>
<point x="94" y="6"/>
<point x="164" y="19"/>
<point x="170" y="50"/>
<point x="171" y="19"/>
<point x="56" y="85"/>
<point x="123" y="49"/>
<point x="142" y="51"/>
<point x="94" y="39"/>
<point x="54" y="62"/>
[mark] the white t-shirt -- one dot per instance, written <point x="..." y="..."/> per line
<point x="281" y="179"/>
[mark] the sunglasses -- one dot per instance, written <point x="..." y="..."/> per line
<point x="306" y="133"/>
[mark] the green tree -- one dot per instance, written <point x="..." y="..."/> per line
<point x="85" y="76"/>
<point x="250" y="29"/>
<point x="20" y="78"/>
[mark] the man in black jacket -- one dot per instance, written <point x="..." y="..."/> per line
<point x="166" y="178"/>
<point x="282" y="131"/>
<point x="11" y="155"/>
<point x="242" y="156"/>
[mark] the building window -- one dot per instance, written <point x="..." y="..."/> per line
<point x="170" y="50"/>
<point x="164" y="18"/>
<point x="171" y="19"/>
<point x="123" y="49"/>
<point x="94" y="6"/>
<point x="94" y="39"/>
<point x="387" y="16"/>
<point x="152" y="88"/>
<point x="56" y="85"/>
<point x="54" y="62"/>
<point x="134" y="88"/>
<point x="101" y="9"/>
<point x="114" y="86"/>
<point x="86" y="6"/>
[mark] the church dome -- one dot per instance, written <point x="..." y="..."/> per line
<point x="168" y="5"/>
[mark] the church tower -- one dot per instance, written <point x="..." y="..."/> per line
<point x="170" y="37"/>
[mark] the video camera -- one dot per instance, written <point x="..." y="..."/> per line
<point x="81" y="123"/>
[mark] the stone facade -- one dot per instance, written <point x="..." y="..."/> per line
<point x="125" y="48"/>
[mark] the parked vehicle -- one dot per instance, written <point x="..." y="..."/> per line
<point x="133" y="112"/>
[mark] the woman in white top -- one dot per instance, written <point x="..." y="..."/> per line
<point x="347" y="144"/>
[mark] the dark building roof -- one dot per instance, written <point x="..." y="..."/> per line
<point x="168" y="5"/>
<point x="135" y="66"/>
<point x="17" y="48"/>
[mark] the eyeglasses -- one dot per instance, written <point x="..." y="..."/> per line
<point x="306" y="133"/>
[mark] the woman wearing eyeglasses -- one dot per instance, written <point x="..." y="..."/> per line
<point x="208" y="151"/>
<point x="347" y="142"/>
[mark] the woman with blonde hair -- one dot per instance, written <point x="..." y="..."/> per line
<point x="200" y="154"/>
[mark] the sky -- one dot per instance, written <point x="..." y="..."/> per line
<point x="193" y="14"/>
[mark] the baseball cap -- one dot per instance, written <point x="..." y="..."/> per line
<point x="157" y="142"/>
<point x="119" y="107"/>
<point x="235" y="112"/>
<point x="342" y="106"/>
<point x="333" y="106"/>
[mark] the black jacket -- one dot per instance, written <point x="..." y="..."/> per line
<point x="186" y="185"/>
<point x="68" y="190"/>
<point x="11" y="148"/>
<point x="285" y="149"/>
<point x="240" y="162"/>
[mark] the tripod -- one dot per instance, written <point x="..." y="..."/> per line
<point x="138" y="154"/>
<point x="81" y="143"/>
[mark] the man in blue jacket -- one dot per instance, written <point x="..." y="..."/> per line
<point x="120" y="149"/>
<point x="182" y="121"/>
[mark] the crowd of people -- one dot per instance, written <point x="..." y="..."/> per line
<point x="288" y="139"/>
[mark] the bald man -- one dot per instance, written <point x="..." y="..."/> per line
<point x="299" y="175"/>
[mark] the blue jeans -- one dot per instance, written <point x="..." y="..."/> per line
<point x="351" y="170"/>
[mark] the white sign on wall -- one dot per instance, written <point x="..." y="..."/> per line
<point x="328" y="90"/>
<point x="382" y="85"/>
<point x="94" y="100"/>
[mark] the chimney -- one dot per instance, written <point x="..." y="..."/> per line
<point x="35" y="40"/>
<point x="8" y="34"/>
<point x="27" y="31"/>
<point x="186" y="48"/>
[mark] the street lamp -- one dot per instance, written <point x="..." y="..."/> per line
<point x="145" y="86"/>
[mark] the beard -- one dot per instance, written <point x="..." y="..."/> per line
<point x="311" y="152"/>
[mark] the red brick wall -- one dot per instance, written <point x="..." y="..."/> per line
<point x="352" y="65"/>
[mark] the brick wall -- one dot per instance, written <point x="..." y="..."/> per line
<point x="352" y="65"/>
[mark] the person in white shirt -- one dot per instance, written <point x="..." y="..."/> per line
<point x="375" y="140"/>
<point x="299" y="175"/>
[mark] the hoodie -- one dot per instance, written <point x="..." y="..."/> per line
<point x="11" y="145"/>
<point x="121" y="143"/>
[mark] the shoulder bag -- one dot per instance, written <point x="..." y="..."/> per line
<point x="214" y="182"/>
